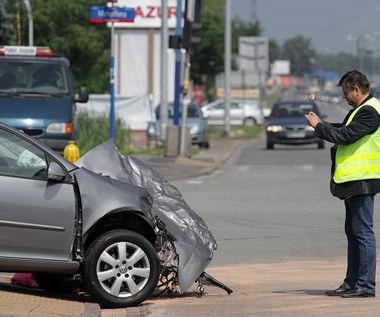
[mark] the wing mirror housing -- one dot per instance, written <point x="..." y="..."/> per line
<point x="56" y="173"/>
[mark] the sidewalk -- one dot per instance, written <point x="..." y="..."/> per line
<point x="17" y="301"/>
<point x="203" y="163"/>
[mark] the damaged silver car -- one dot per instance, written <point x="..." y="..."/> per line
<point x="109" y="224"/>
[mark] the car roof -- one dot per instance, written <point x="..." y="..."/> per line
<point x="296" y="100"/>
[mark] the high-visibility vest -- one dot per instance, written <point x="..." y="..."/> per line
<point x="359" y="160"/>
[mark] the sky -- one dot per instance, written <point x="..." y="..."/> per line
<point x="332" y="25"/>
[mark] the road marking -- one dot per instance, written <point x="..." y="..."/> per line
<point x="247" y="168"/>
<point x="194" y="182"/>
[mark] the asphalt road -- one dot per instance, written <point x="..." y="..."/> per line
<point x="280" y="233"/>
<point x="272" y="205"/>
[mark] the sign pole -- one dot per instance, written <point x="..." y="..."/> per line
<point x="112" y="82"/>
<point x="177" y="91"/>
<point x="112" y="85"/>
<point x="102" y="14"/>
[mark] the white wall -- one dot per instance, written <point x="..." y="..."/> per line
<point x="134" y="111"/>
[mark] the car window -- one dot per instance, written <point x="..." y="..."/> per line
<point x="19" y="158"/>
<point x="284" y="110"/>
<point x="235" y="105"/>
<point x="218" y="106"/>
<point x="193" y="111"/>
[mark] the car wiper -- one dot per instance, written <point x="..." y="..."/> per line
<point x="30" y="93"/>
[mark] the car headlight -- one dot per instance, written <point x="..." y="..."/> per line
<point x="60" y="127"/>
<point x="274" y="128"/>
<point x="152" y="130"/>
<point x="194" y="129"/>
<point x="309" y="128"/>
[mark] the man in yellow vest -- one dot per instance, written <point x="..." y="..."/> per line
<point x="355" y="179"/>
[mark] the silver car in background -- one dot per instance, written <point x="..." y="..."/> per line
<point x="242" y="112"/>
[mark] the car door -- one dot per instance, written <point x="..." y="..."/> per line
<point x="236" y="112"/>
<point x="36" y="215"/>
<point x="215" y="113"/>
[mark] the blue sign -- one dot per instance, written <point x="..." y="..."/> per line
<point x="103" y="14"/>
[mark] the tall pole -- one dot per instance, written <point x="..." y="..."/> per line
<point x="227" y="67"/>
<point x="164" y="69"/>
<point x="112" y="83"/>
<point x="30" y="21"/>
<point x="177" y="91"/>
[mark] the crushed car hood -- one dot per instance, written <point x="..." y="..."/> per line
<point x="193" y="240"/>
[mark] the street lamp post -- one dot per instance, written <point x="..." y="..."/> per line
<point x="227" y="67"/>
<point x="30" y="21"/>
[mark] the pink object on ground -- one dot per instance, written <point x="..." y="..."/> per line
<point x="24" y="279"/>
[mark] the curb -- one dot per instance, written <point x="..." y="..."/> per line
<point x="91" y="310"/>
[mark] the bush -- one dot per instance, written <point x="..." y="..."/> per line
<point x="94" y="130"/>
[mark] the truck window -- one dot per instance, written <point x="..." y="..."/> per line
<point x="26" y="77"/>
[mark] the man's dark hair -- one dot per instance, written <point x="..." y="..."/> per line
<point x="355" y="78"/>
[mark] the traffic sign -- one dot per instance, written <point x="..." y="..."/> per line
<point x="103" y="14"/>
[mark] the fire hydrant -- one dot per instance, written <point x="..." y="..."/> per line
<point x="71" y="152"/>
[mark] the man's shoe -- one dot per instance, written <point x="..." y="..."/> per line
<point x="357" y="292"/>
<point x="337" y="292"/>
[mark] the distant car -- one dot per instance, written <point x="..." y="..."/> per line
<point x="195" y="121"/>
<point x="242" y="112"/>
<point x="287" y="124"/>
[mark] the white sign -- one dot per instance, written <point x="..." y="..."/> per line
<point x="280" y="67"/>
<point x="253" y="53"/>
<point x="148" y="13"/>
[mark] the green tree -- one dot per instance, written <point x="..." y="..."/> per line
<point x="274" y="51"/>
<point x="301" y="54"/>
<point x="65" y="27"/>
<point x="207" y="59"/>
<point x="7" y="26"/>
<point x="208" y="56"/>
<point x="242" y="28"/>
<point x="339" y="63"/>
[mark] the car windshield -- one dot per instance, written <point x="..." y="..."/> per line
<point x="39" y="78"/>
<point x="285" y="110"/>
<point x="193" y="111"/>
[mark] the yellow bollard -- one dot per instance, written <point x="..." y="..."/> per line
<point x="71" y="152"/>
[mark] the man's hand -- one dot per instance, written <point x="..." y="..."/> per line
<point x="312" y="119"/>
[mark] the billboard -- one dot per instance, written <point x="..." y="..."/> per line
<point x="148" y="13"/>
<point x="254" y="53"/>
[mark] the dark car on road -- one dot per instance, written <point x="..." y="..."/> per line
<point x="287" y="124"/>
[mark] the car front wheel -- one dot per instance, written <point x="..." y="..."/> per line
<point x="270" y="145"/>
<point x="250" y="121"/>
<point x="321" y="144"/>
<point x="121" y="269"/>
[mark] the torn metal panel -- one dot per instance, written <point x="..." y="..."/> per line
<point x="193" y="241"/>
<point x="100" y="194"/>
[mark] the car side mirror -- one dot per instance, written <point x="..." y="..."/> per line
<point x="83" y="95"/>
<point x="56" y="172"/>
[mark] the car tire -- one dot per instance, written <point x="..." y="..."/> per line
<point x="321" y="144"/>
<point x="114" y="276"/>
<point x="205" y="145"/>
<point x="250" y="121"/>
<point x="57" y="283"/>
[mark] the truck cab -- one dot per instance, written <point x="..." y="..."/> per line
<point x="37" y="94"/>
